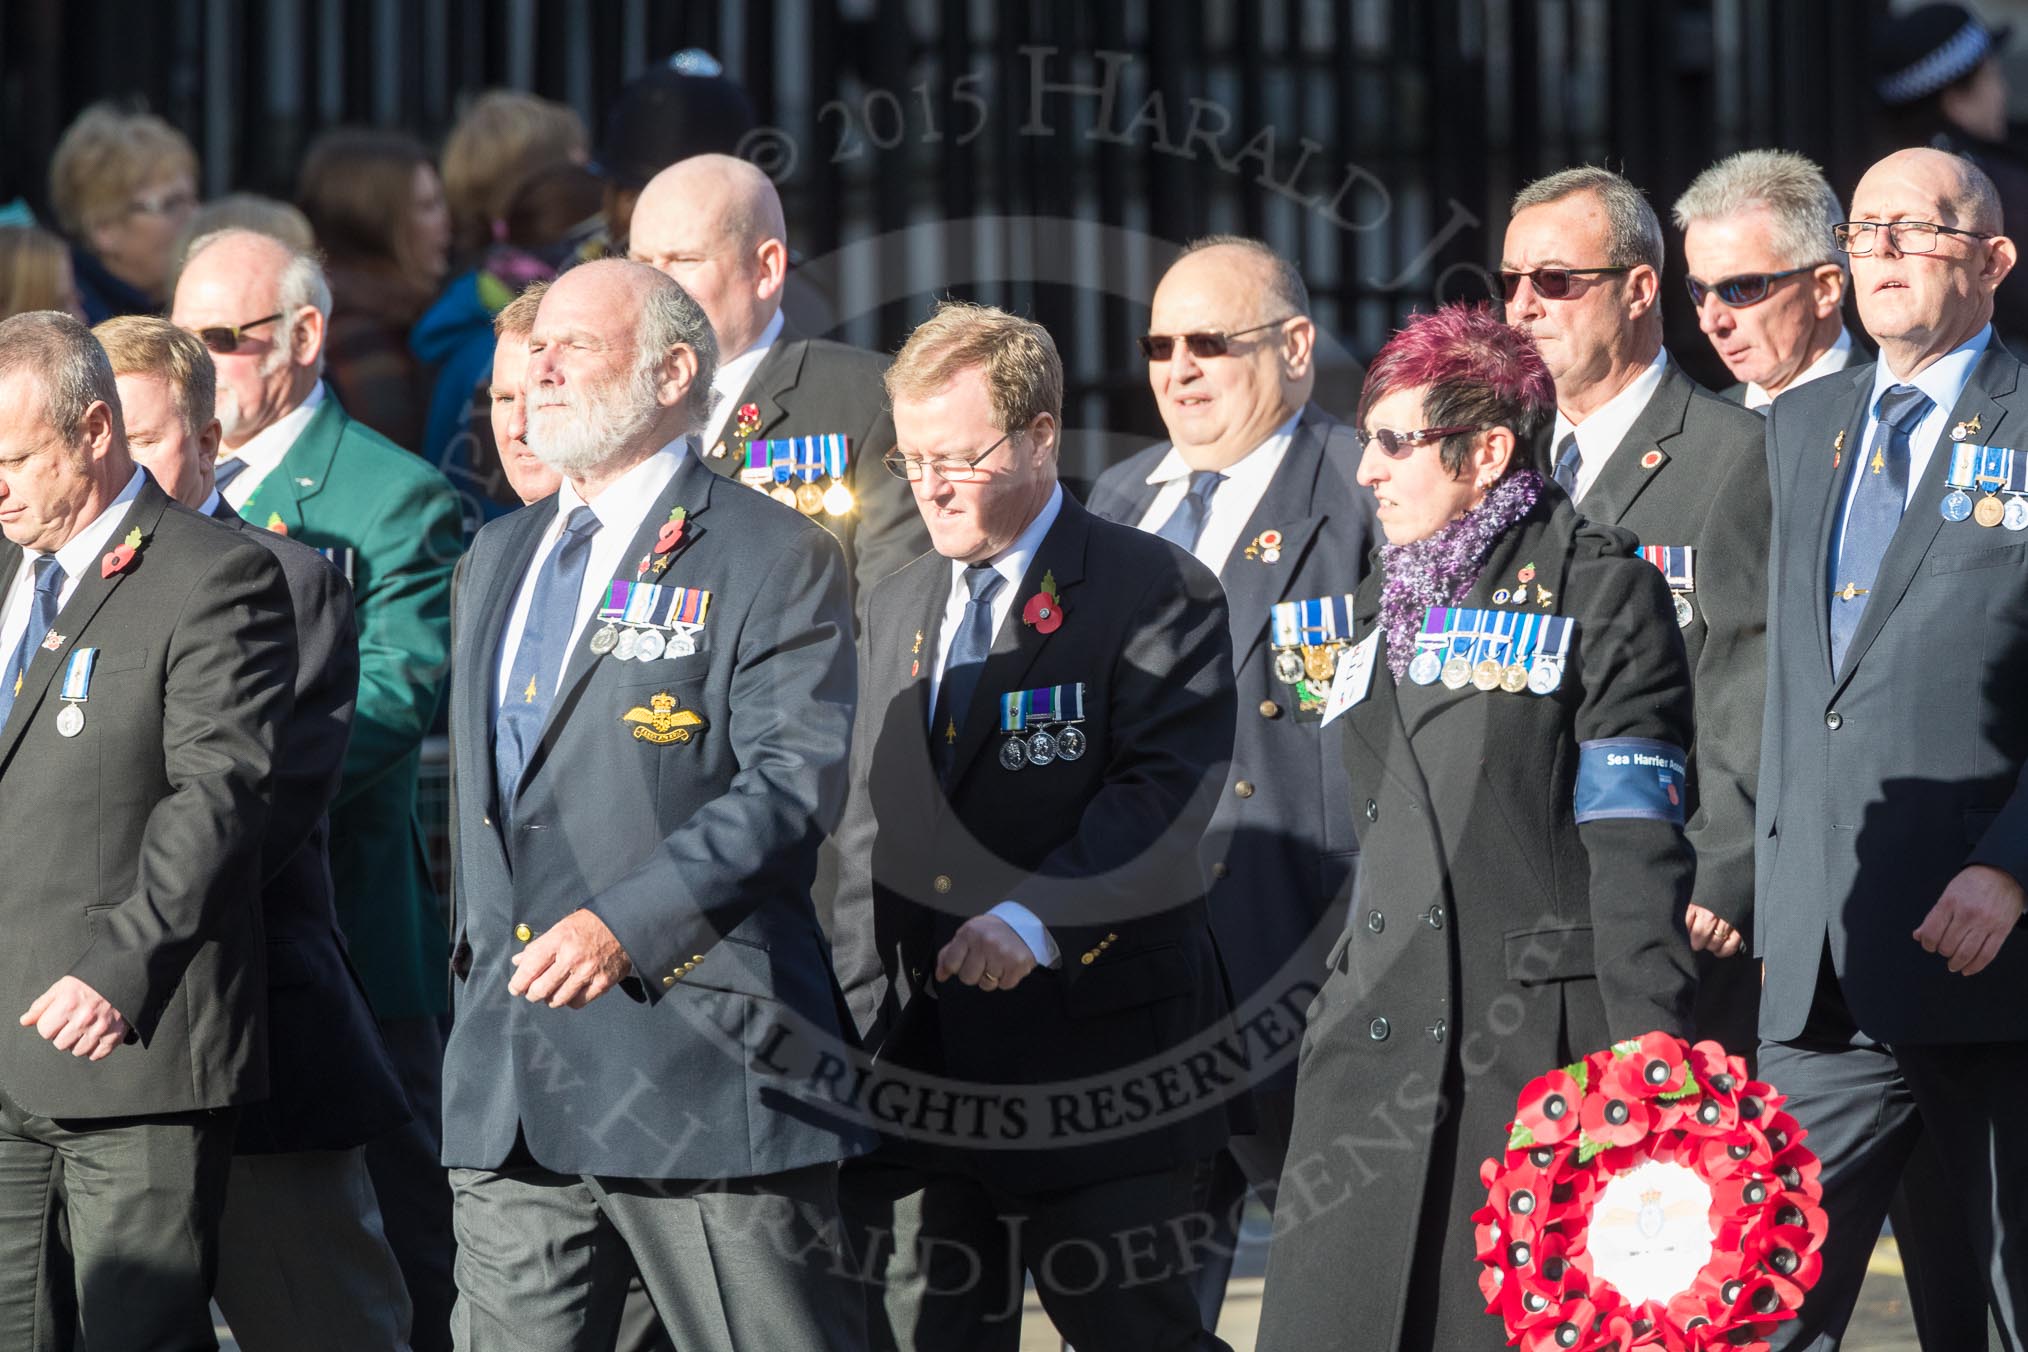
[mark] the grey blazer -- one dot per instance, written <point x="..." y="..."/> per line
<point x="696" y="850"/>
<point x="1882" y="779"/>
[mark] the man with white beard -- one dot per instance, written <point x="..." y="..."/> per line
<point x="293" y="462"/>
<point x="652" y="701"/>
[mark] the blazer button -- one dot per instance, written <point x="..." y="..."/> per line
<point x="523" y="933"/>
<point x="1243" y="789"/>
<point x="1270" y="709"/>
<point x="668" y="980"/>
<point x="1372" y="810"/>
<point x="1834" y="720"/>
<point x="1375" y="921"/>
<point x="1090" y="958"/>
<point x="1435" y="917"/>
<point x="1377" y="1030"/>
<point x="942" y="882"/>
<point x="696" y="957"/>
<point x="1219" y="870"/>
<point x="485" y="820"/>
<point x="1437" y="1030"/>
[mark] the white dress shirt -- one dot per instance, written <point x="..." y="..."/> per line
<point x="1831" y="362"/>
<point x="1011" y="564"/>
<point x="1232" y="506"/>
<point x="1944" y="382"/>
<point x="265" y="449"/>
<point x="621" y="509"/>
<point x="1601" y="433"/>
<point x="77" y="558"/>
<point x="729" y="380"/>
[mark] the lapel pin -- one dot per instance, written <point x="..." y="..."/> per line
<point x="1959" y="431"/>
<point x="1044" y="610"/>
<point x="1838" y="448"/>
<point x="122" y="557"/>
<point x="1651" y="459"/>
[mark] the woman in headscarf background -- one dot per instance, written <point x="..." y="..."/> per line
<point x="1517" y="766"/>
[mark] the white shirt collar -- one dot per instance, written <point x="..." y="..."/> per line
<point x="1830" y="363"/>
<point x="625" y="502"/>
<point x="1944" y="380"/>
<point x="732" y="375"/>
<point x="265" y="449"/>
<point x="1601" y="433"/>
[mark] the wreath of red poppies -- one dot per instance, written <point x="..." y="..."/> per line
<point x="1656" y="1098"/>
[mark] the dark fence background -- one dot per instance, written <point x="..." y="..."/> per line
<point x="1044" y="156"/>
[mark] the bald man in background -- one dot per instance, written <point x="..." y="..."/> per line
<point x="714" y="224"/>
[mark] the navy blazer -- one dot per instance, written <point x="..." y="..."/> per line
<point x="696" y="850"/>
<point x="1881" y="780"/>
<point x="1277" y="863"/>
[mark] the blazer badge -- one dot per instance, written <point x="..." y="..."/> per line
<point x="662" y="722"/>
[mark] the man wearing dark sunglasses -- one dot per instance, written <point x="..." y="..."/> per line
<point x="295" y="462"/>
<point x="1638" y="444"/>
<point x="1768" y="285"/>
<point x="1257" y="482"/>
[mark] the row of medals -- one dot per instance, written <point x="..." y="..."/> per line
<point x="811" y="500"/>
<point x="1426" y="668"/>
<point x="1041" y="747"/>
<point x="640" y="645"/>
<point x="1317" y="662"/>
<point x="1989" y="511"/>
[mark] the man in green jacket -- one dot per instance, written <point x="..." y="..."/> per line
<point x="296" y="464"/>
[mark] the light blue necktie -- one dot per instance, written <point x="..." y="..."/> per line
<point x="1875" y="513"/>
<point x="41" y="619"/>
<point x="545" y="638"/>
<point x="1567" y="463"/>
<point x="1186" y="523"/>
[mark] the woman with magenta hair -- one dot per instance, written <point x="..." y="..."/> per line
<point x="1516" y="753"/>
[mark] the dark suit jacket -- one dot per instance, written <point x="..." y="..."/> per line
<point x="697" y="853"/>
<point x="1692" y="471"/>
<point x="331" y="1085"/>
<point x="342" y="486"/>
<point x="808" y="387"/>
<point x="1492" y="935"/>
<point x="1277" y="864"/>
<point x="133" y="848"/>
<point x="1882" y="779"/>
<point x="1102" y="848"/>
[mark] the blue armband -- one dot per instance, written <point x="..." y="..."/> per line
<point x="1630" y="777"/>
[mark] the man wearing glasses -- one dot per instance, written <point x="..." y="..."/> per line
<point x="1893" y="829"/>
<point x="1638" y="444"/>
<point x="293" y="462"/>
<point x="1767" y="283"/>
<point x="1257" y="483"/>
<point x="1045" y="718"/>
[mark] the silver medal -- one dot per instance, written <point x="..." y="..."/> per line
<point x="70" y="722"/>
<point x="629" y="641"/>
<point x="1546" y="676"/>
<point x="1070" y="743"/>
<point x="1041" y="748"/>
<point x="1683" y="612"/>
<point x="1013" y="753"/>
<point x="1957" y="505"/>
<point x="1425" y="667"/>
<point x="2017" y="514"/>
<point x="650" y="647"/>
<point x="680" y="645"/>
<point x="1288" y="666"/>
<point x="603" y="641"/>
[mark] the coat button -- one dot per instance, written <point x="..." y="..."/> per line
<point x="1372" y="810"/>
<point x="1219" y="870"/>
<point x="668" y="980"/>
<point x="1834" y="720"/>
<point x="1377" y="1030"/>
<point x="1435" y="917"/>
<point x="1375" y="921"/>
<point x="523" y="933"/>
<point x="1243" y="789"/>
<point x="1270" y="709"/>
<point x="485" y="820"/>
<point x="1437" y="1030"/>
<point x="942" y="882"/>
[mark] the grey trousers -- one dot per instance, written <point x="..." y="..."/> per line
<point x="304" y="1265"/>
<point x="141" y="1198"/>
<point x="746" y="1265"/>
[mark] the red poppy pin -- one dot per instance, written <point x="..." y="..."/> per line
<point x="1044" y="610"/>
<point x="123" y="554"/>
<point x="276" y="524"/>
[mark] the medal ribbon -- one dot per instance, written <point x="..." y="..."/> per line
<point x="616" y="601"/>
<point x="837" y="454"/>
<point x="810" y="458"/>
<point x="641" y="598"/>
<point x="1962" y="460"/>
<point x="77" y="676"/>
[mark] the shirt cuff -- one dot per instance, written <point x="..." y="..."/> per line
<point x="1032" y="931"/>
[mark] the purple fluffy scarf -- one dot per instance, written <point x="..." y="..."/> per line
<point x="1440" y="570"/>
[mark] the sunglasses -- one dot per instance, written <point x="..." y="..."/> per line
<point x="225" y="340"/>
<point x="1162" y="346"/>
<point x="1395" y="445"/>
<point x="1549" y="283"/>
<point x="1749" y="288"/>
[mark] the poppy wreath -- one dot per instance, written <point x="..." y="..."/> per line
<point x="1603" y="1184"/>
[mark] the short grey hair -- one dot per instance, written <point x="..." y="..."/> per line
<point x="73" y="370"/>
<point x="1800" y="202"/>
<point x="1633" y="231"/>
<point x="1285" y="285"/>
<point x="669" y="316"/>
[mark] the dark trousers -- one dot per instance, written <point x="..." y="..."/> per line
<point x="733" y="1266"/>
<point x="1249" y="1163"/>
<point x="944" y="1257"/>
<point x="410" y="1184"/>
<point x="1867" y="1107"/>
<point x="141" y="1200"/>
